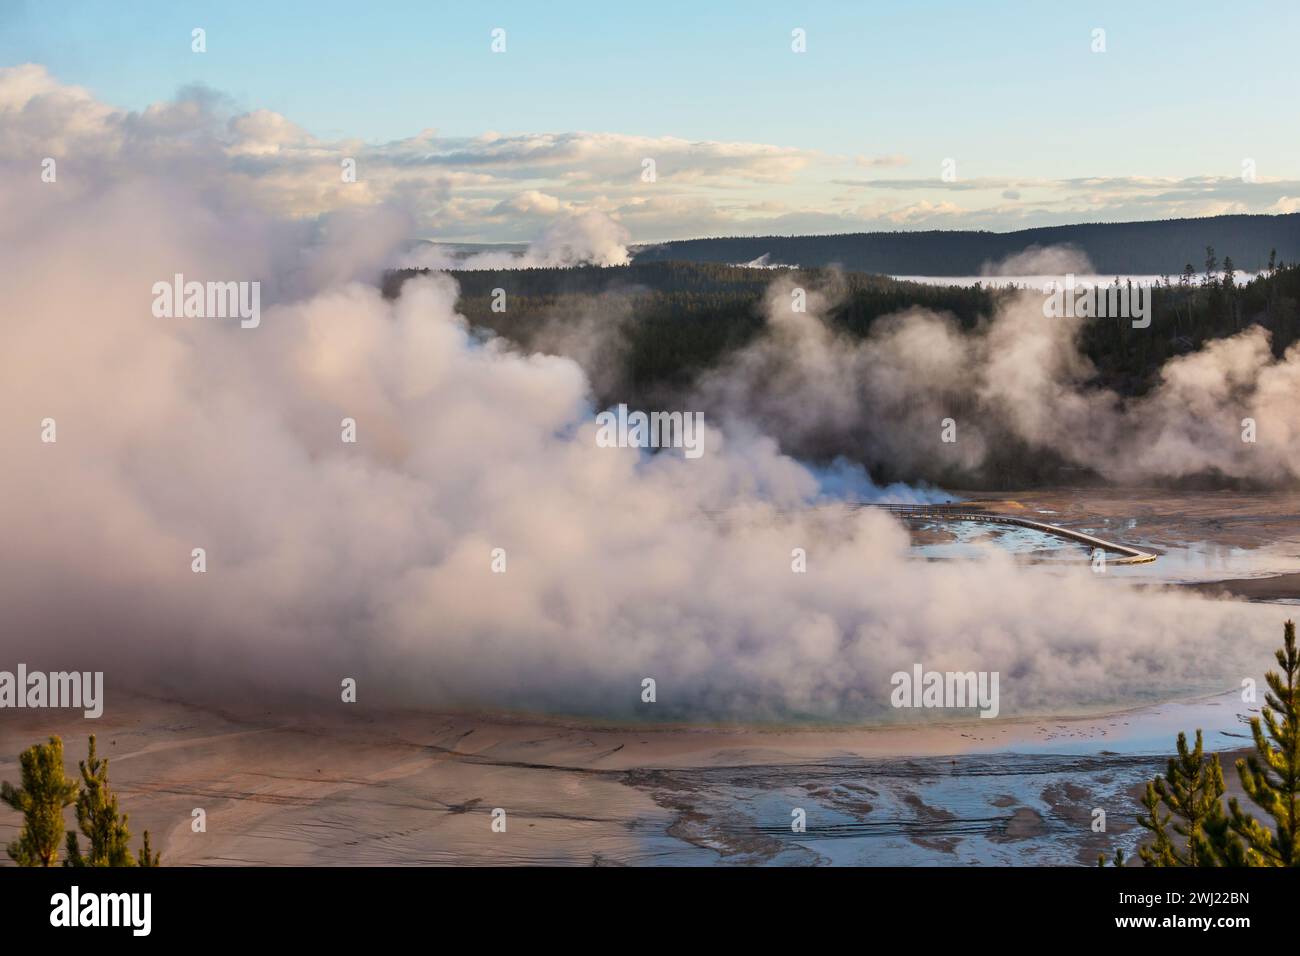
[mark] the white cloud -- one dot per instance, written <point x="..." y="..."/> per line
<point x="498" y="186"/>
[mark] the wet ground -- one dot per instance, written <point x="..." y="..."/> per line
<point x="418" y="789"/>
<point x="388" y="788"/>
<point x="1203" y="539"/>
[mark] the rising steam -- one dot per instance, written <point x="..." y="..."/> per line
<point x="373" y="560"/>
<point x="1018" y="376"/>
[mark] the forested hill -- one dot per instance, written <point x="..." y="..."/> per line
<point x="648" y="333"/>
<point x="674" y="318"/>
<point x="1162" y="247"/>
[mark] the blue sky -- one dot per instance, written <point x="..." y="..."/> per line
<point x="1011" y="91"/>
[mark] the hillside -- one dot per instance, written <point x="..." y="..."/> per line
<point x="1161" y="247"/>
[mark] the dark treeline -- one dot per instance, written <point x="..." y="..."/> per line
<point x="679" y="318"/>
<point x="1153" y="248"/>
<point x="675" y="319"/>
<point x="1187" y="311"/>
<point x="660" y="325"/>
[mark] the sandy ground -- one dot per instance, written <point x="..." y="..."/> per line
<point x="365" y="787"/>
<point x="1274" y="587"/>
<point x="400" y="788"/>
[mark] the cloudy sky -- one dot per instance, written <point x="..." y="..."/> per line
<point x="1183" y="113"/>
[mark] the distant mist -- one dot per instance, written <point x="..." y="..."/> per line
<point x="582" y="238"/>
<point x="1041" y="260"/>
<point x="1018" y="376"/>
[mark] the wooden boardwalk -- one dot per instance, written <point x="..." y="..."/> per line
<point x="967" y="512"/>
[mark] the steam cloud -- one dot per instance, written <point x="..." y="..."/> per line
<point x="1017" y="376"/>
<point x="581" y="238"/>
<point x="1041" y="260"/>
<point x="372" y="560"/>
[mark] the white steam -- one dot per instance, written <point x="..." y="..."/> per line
<point x="1018" y="375"/>
<point x="1041" y="260"/>
<point x="373" y="560"/>
<point x="585" y="238"/>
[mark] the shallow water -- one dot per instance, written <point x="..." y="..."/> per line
<point x="1013" y="802"/>
<point x="972" y="539"/>
<point x="1207" y="561"/>
<point x="1187" y="562"/>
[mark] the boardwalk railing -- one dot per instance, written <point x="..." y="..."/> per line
<point x="968" y="512"/>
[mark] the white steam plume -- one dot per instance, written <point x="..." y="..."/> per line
<point x="1041" y="260"/>
<point x="581" y="238"/>
<point x="1018" y="375"/>
<point x="373" y="560"/>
